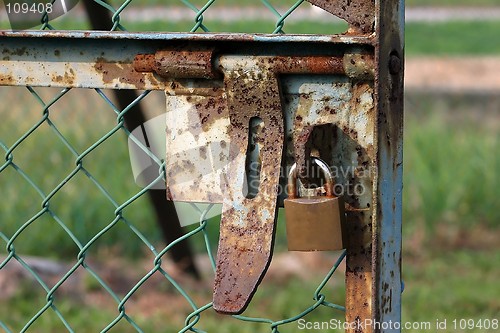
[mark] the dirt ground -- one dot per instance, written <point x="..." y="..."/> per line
<point x="156" y="293"/>
<point x="453" y="74"/>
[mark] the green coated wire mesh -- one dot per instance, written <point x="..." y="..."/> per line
<point x="67" y="196"/>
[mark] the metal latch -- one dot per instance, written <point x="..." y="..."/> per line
<point x="230" y="111"/>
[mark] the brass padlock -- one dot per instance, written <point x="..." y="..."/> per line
<point x="314" y="223"/>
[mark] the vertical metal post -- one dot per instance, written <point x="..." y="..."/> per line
<point x="373" y="273"/>
<point x="388" y="215"/>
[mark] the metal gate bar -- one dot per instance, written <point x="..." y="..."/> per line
<point x="106" y="59"/>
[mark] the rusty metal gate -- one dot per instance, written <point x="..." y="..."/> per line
<point x="232" y="99"/>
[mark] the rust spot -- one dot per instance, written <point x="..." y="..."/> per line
<point x="302" y="148"/>
<point x="203" y="152"/>
<point x="6" y="79"/>
<point x="188" y="165"/>
<point x="205" y="108"/>
<point x="190" y="63"/>
<point x="358" y="266"/>
<point x="304" y="65"/>
<point x="67" y="79"/>
<point x="18" y="52"/>
<point x="359" y="65"/>
<point x="123" y="72"/>
<point x="144" y="63"/>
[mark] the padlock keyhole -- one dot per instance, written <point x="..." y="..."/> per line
<point x="253" y="163"/>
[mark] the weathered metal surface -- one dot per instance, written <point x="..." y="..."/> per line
<point x="197" y="140"/>
<point x="346" y="105"/>
<point x="316" y="102"/>
<point x="247" y="225"/>
<point x="145" y="63"/>
<point x="359" y="65"/>
<point x="309" y="102"/>
<point x="360" y="14"/>
<point x="66" y="62"/>
<point x="106" y="59"/>
<point x="181" y="64"/>
<point x="388" y="213"/>
<point x="373" y="266"/>
<point x="295" y="64"/>
<point x="338" y="115"/>
<point x="327" y="102"/>
<point x="189" y="37"/>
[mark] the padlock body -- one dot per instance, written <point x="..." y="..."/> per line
<point x="315" y="224"/>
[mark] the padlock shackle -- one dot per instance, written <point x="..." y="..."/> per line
<point x="292" y="178"/>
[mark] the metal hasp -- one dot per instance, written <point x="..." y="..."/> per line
<point x="251" y="90"/>
<point x="247" y="224"/>
<point x="352" y="117"/>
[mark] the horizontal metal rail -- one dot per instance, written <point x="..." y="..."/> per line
<point x="105" y="60"/>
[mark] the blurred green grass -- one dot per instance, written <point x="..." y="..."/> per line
<point x="450" y="165"/>
<point x="93" y="319"/>
<point x="455" y="284"/>
<point x="452" y="3"/>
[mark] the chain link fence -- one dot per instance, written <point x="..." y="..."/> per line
<point x="68" y="196"/>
